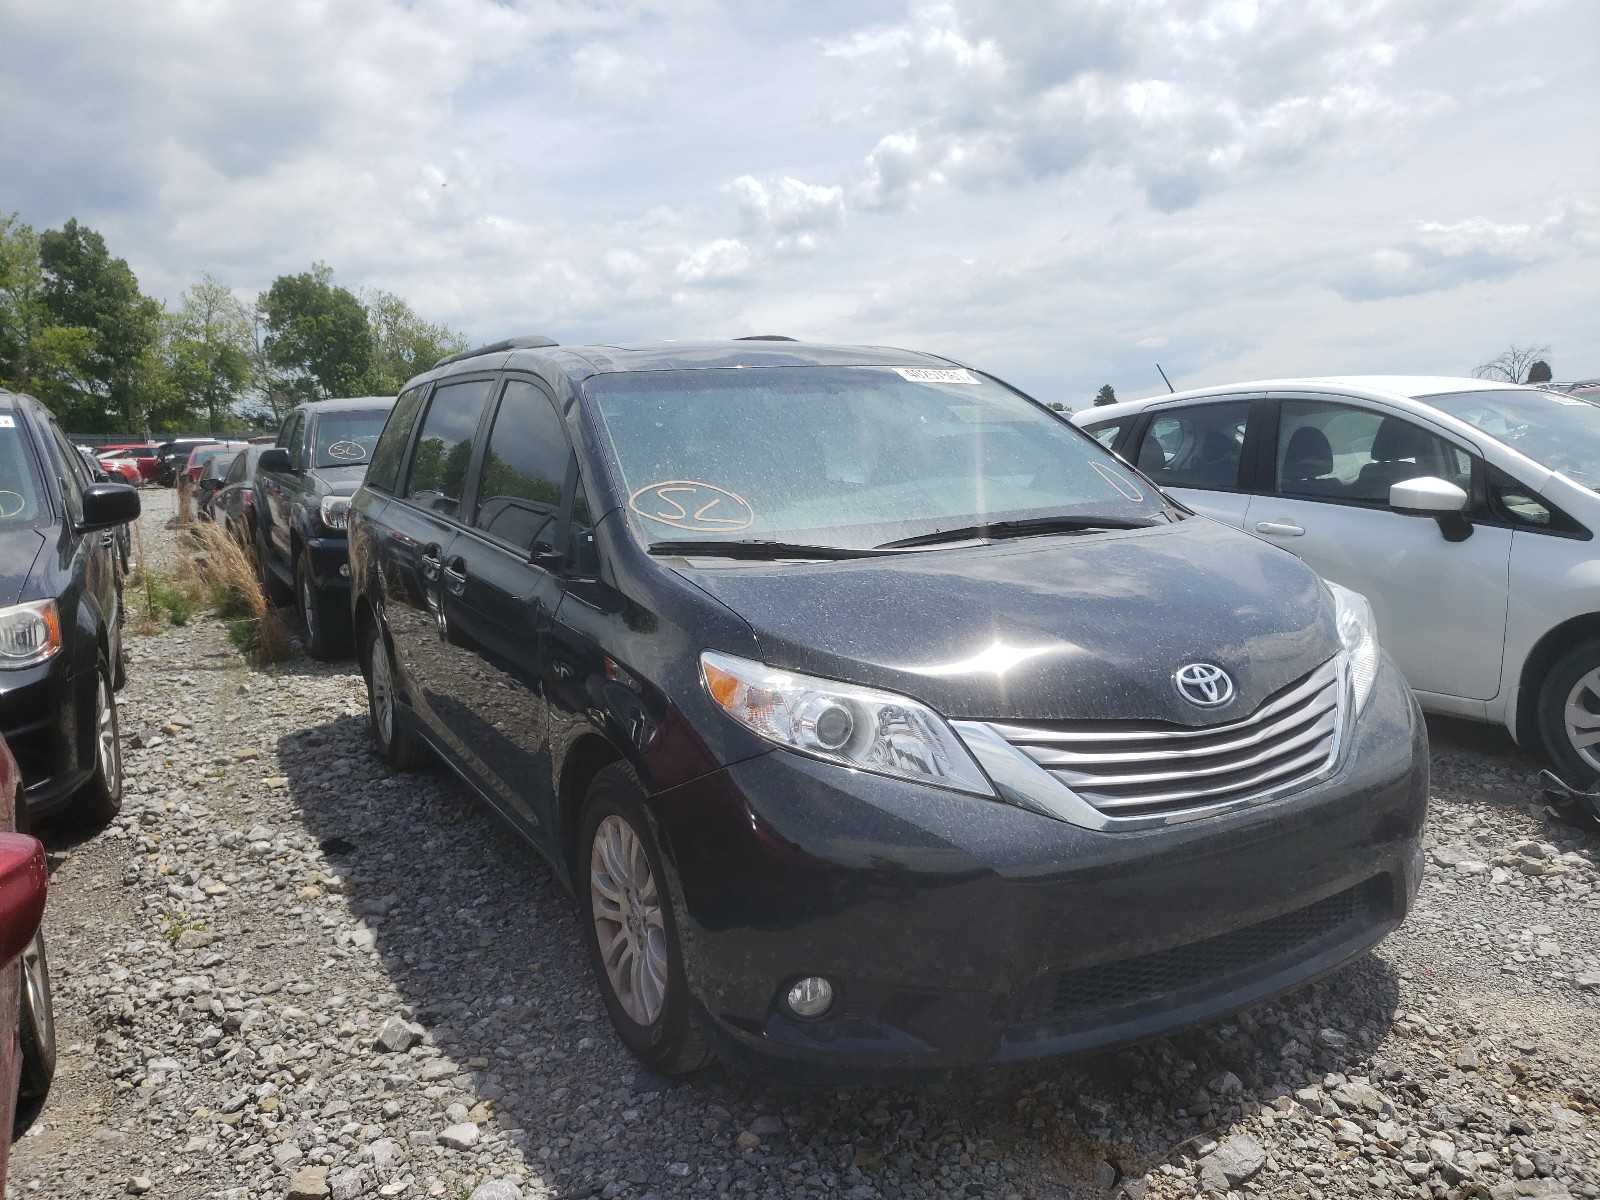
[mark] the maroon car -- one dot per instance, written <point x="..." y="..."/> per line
<point x="27" y="1026"/>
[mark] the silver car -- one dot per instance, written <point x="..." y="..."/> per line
<point x="1465" y="510"/>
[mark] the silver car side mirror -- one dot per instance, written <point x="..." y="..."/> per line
<point x="1430" y="496"/>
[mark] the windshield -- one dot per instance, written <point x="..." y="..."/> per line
<point x="19" y="494"/>
<point x="848" y="456"/>
<point x="346" y="439"/>
<point x="1559" y="431"/>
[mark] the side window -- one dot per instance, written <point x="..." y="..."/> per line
<point x="293" y="437"/>
<point x="1106" y="434"/>
<point x="1336" y="452"/>
<point x="438" y="476"/>
<point x="523" y="468"/>
<point x="236" y="470"/>
<point x="1198" y="446"/>
<point x="70" y="469"/>
<point x="585" y="558"/>
<point x="384" y="472"/>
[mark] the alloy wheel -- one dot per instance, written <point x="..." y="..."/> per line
<point x="382" y="688"/>
<point x="36" y="988"/>
<point x="308" y="609"/>
<point x="628" y="920"/>
<point x="106" y="748"/>
<point x="1582" y="717"/>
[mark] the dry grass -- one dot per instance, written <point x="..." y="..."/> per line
<point x="185" y="504"/>
<point x="228" y="576"/>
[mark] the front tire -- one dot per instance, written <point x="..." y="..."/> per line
<point x="630" y="929"/>
<point x="395" y="744"/>
<point x="100" y="799"/>
<point x="36" y="1037"/>
<point x="1569" y="714"/>
<point x="324" y="625"/>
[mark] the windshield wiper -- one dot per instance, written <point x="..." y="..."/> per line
<point x="1020" y="528"/>
<point x="756" y="549"/>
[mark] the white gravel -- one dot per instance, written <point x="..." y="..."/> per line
<point x="286" y="972"/>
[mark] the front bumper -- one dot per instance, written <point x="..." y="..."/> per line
<point x="47" y="717"/>
<point x="959" y="930"/>
<point x="330" y="561"/>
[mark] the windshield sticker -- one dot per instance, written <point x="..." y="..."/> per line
<point x="932" y="375"/>
<point x="7" y="421"/>
<point x="1123" y="485"/>
<point x="11" y="503"/>
<point x="347" y="451"/>
<point x="689" y="504"/>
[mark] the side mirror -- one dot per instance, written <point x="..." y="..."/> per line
<point x="1430" y="496"/>
<point x="210" y="483"/>
<point x="1427" y="496"/>
<point x="276" y="459"/>
<point x="106" y="505"/>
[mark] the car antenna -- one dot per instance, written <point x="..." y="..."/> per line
<point x="1165" y="380"/>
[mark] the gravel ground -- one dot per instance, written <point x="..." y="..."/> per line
<point x="284" y="971"/>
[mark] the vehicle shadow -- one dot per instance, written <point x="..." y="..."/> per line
<point x="480" y="941"/>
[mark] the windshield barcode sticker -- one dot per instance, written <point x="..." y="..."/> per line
<point x="934" y="375"/>
<point x="7" y="421"/>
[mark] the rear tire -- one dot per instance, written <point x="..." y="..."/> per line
<point x="630" y="929"/>
<point x="36" y="1038"/>
<point x="1569" y="714"/>
<point x="395" y="744"/>
<point x="100" y="799"/>
<point x="324" y="624"/>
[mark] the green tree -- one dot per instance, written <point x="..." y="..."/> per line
<point x="86" y="288"/>
<point x="208" y="345"/>
<point x="317" y="334"/>
<point x="1105" y="395"/>
<point x="35" y="356"/>
<point x="403" y="344"/>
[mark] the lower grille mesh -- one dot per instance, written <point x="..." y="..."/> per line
<point x="1273" y="943"/>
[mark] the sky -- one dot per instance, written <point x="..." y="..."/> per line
<point x="1062" y="192"/>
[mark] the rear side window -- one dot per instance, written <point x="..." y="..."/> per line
<point x="384" y="472"/>
<point x="1195" y="447"/>
<point x="523" y="468"/>
<point x="1105" y="434"/>
<point x="438" y="476"/>
<point x="237" y="469"/>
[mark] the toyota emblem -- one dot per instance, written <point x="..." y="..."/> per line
<point x="1204" y="685"/>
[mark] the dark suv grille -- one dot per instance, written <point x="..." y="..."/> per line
<point x="1128" y="770"/>
<point x="1255" y="950"/>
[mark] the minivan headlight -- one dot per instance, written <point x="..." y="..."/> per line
<point x="1358" y="634"/>
<point x="858" y="727"/>
<point x="29" y="633"/>
<point x="336" y="511"/>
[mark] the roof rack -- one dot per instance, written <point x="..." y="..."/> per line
<point x="766" y="337"/>
<point x="529" y="341"/>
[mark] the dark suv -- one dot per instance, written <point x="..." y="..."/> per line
<point x="879" y="718"/>
<point x="60" y="616"/>
<point x="302" y="493"/>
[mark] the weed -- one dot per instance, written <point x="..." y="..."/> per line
<point x="227" y="578"/>
<point x="174" y="927"/>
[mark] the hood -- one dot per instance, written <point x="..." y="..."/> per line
<point x="19" y="549"/>
<point x="1088" y="626"/>
<point x="341" y="481"/>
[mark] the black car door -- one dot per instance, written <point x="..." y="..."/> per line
<point x="501" y="587"/>
<point x="93" y="555"/>
<point x="415" y="532"/>
<point x="276" y="498"/>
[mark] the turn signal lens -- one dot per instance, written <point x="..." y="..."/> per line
<point x="29" y="633"/>
<point x="858" y="727"/>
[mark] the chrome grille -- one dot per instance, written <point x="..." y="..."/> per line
<point x="1127" y="770"/>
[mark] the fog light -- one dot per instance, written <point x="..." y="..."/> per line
<point x="811" y="997"/>
<point x="344" y="570"/>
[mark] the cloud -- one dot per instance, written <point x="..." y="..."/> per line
<point x="789" y="216"/>
<point x="724" y="261"/>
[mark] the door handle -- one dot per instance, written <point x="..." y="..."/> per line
<point x="455" y="575"/>
<point x="429" y="560"/>
<point x="1280" y="529"/>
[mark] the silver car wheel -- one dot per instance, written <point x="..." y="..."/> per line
<point x="308" y="608"/>
<point x="382" y="685"/>
<point x="628" y="921"/>
<point x="1582" y="718"/>
<point x="36" y="987"/>
<point x="106" y="749"/>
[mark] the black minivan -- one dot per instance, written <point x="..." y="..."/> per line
<point x="878" y="717"/>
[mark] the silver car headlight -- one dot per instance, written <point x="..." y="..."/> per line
<point x="1358" y="634"/>
<point x="29" y="633"/>
<point x="858" y="727"/>
<point x="335" y="511"/>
